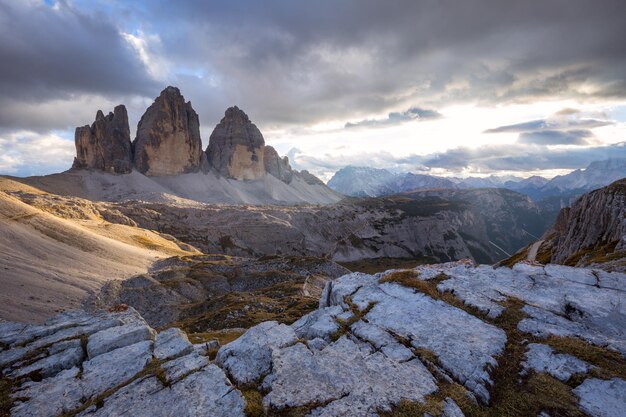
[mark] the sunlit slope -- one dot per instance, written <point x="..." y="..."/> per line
<point x="53" y="250"/>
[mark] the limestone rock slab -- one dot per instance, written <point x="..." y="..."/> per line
<point x="250" y="356"/>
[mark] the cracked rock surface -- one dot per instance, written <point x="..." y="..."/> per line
<point x="108" y="364"/>
<point x="560" y="300"/>
<point x="433" y="338"/>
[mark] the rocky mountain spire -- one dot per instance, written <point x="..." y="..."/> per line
<point x="105" y="145"/>
<point x="236" y="147"/>
<point x="277" y="166"/>
<point x="168" y="137"/>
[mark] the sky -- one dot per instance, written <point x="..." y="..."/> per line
<point x="472" y="87"/>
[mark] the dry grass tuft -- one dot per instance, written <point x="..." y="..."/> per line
<point x="254" y="403"/>
<point x="374" y="265"/>
<point x="6" y="401"/>
<point x="146" y="242"/>
<point x="610" y="364"/>
<point x="344" y="325"/>
<point x="223" y="336"/>
<point x="521" y="255"/>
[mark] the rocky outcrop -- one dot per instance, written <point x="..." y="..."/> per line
<point x="310" y="178"/>
<point x="168" y="137"/>
<point x="592" y="232"/>
<point x="236" y="147"/>
<point x="129" y="371"/>
<point x="597" y="218"/>
<point x="288" y="286"/>
<point x="277" y="166"/>
<point x="105" y="145"/>
<point x="168" y="143"/>
<point x="439" y="340"/>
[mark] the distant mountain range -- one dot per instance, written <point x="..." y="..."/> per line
<point x="374" y="182"/>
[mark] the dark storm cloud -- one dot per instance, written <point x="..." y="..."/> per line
<point x="295" y="62"/>
<point x="394" y="118"/>
<point x="59" y="53"/>
<point x="303" y="62"/>
<point x="556" y="137"/>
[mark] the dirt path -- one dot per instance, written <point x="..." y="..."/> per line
<point x="532" y="253"/>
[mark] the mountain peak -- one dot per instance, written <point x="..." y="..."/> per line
<point x="611" y="163"/>
<point x="236" y="114"/>
<point x="236" y="147"/>
<point x="171" y="91"/>
<point x="168" y="137"/>
<point x="105" y="145"/>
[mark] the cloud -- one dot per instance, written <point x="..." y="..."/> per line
<point x="565" y="127"/>
<point x="293" y="63"/>
<point x="49" y="52"/>
<point x="519" y="157"/>
<point x="59" y="54"/>
<point x="556" y="137"/>
<point x="26" y="153"/>
<point x="487" y="159"/>
<point x="298" y="64"/>
<point x="550" y="124"/>
<point x="412" y="114"/>
<point x="567" y="112"/>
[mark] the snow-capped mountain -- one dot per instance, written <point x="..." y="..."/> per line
<point x="596" y="175"/>
<point x="364" y="182"/>
<point x="361" y="181"/>
<point x="411" y="182"/>
<point x="374" y="182"/>
<point x="530" y="186"/>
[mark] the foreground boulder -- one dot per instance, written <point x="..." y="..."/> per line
<point x="168" y="137"/>
<point x="105" y="145"/>
<point x="443" y="340"/>
<point x="236" y="147"/>
<point x="390" y="342"/>
<point x="111" y="364"/>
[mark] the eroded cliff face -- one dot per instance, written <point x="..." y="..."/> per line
<point x="236" y="147"/>
<point x="168" y="144"/>
<point x="592" y="232"/>
<point x="105" y="145"/>
<point x="277" y="166"/>
<point x="168" y="137"/>
<point x="596" y="219"/>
